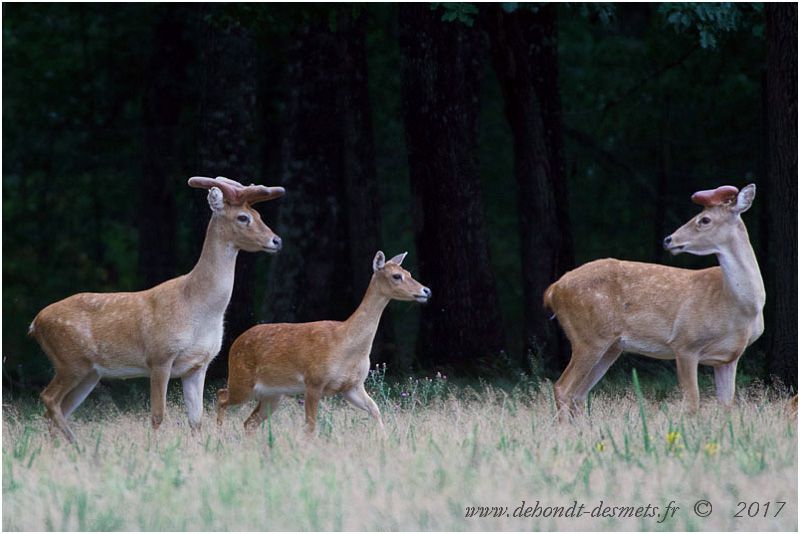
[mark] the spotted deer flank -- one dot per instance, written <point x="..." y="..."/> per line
<point x="706" y="316"/>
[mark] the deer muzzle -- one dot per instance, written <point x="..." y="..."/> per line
<point x="423" y="296"/>
<point x="274" y="245"/>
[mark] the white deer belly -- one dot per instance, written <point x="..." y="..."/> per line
<point x="121" y="372"/>
<point x="646" y="347"/>
<point x="260" y="390"/>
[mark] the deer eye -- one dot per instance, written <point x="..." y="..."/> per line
<point x="705" y="220"/>
<point x="243" y="218"/>
<point x="397" y="276"/>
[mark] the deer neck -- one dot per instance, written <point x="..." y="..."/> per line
<point x="210" y="282"/>
<point x="362" y="325"/>
<point x="741" y="276"/>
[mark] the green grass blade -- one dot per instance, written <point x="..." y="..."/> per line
<point x="640" y="400"/>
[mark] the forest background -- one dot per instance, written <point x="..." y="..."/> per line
<point x="500" y="144"/>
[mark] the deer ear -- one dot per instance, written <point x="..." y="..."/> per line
<point x="215" y="199"/>
<point x="378" y="262"/>
<point x="745" y="198"/>
<point x="399" y="258"/>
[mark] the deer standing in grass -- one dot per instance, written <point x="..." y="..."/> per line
<point x="172" y="330"/>
<point x="317" y="359"/>
<point x="707" y="316"/>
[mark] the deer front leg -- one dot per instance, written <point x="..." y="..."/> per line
<point x="311" y="401"/>
<point x="725" y="379"/>
<point x="687" y="378"/>
<point x="193" y="383"/>
<point x="359" y="398"/>
<point x="159" y="378"/>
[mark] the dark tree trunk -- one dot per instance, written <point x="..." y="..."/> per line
<point x="162" y="101"/>
<point x="441" y="64"/>
<point x="227" y="145"/>
<point x="363" y="209"/>
<point x="525" y="56"/>
<point x="781" y="191"/>
<point x="663" y="179"/>
<point x="331" y="227"/>
<point x="310" y="278"/>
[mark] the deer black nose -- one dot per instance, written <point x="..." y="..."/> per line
<point x="277" y="242"/>
<point x="426" y="292"/>
<point x="667" y="241"/>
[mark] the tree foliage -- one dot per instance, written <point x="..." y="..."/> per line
<point x="709" y="21"/>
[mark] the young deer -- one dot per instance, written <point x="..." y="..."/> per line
<point x="317" y="359"/>
<point x="172" y="330"/>
<point x="706" y="316"/>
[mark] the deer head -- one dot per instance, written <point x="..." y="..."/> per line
<point x="395" y="282"/>
<point x="232" y="202"/>
<point x="717" y="225"/>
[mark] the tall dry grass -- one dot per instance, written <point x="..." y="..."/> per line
<point x="444" y="451"/>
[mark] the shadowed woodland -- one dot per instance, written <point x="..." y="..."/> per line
<point x="500" y="144"/>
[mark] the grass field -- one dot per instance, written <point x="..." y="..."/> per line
<point x="447" y="450"/>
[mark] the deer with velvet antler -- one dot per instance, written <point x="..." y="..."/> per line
<point x="707" y="316"/>
<point x="172" y="330"/>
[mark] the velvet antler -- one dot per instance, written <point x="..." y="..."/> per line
<point x="714" y="197"/>
<point x="236" y="193"/>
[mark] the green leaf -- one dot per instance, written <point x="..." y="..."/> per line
<point x="640" y="400"/>
<point x="460" y="11"/>
<point x="509" y="7"/>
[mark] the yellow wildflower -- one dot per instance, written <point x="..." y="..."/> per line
<point x="673" y="437"/>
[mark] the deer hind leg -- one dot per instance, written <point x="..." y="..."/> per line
<point x="725" y="379"/>
<point x="159" y="379"/>
<point x="560" y="390"/>
<point x="687" y="378"/>
<point x="222" y="405"/>
<point x="233" y="395"/>
<point x="568" y="389"/>
<point x="79" y="393"/>
<point x="266" y="407"/>
<point x="53" y="395"/>
<point x="63" y="394"/>
<point x="598" y="371"/>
